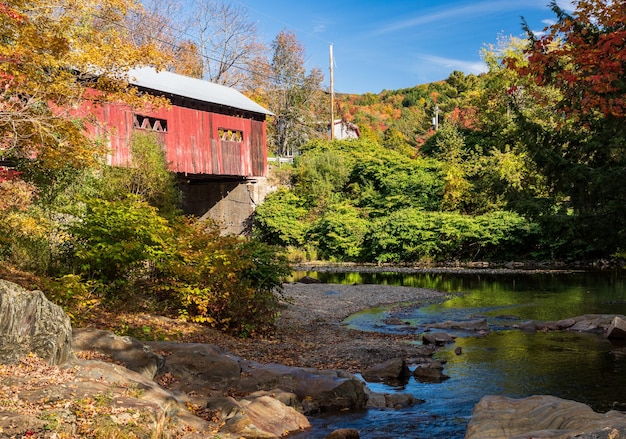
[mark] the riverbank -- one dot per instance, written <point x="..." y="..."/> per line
<point x="309" y="331"/>
<point x="457" y="267"/>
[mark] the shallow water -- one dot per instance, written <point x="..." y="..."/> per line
<point x="581" y="367"/>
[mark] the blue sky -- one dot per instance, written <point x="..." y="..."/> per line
<point x="393" y="44"/>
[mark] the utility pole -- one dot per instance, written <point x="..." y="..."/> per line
<point x="332" y="96"/>
<point x="436" y="118"/>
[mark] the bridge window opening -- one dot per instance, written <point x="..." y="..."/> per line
<point x="230" y="135"/>
<point x="149" y="123"/>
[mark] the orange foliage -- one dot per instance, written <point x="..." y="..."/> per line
<point x="466" y="117"/>
<point x="15" y="193"/>
<point x="584" y="55"/>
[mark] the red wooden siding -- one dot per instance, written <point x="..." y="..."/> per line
<point x="258" y="150"/>
<point x="192" y="141"/>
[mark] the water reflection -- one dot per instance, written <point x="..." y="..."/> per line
<point x="576" y="366"/>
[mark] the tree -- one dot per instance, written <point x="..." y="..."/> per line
<point x="578" y="143"/>
<point x="450" y="145"/>
<point x="155" y="23"/>
<point x="460" y="82"/>
<point x="53" y="54"/>
<point x="226" y="41"/>
<point x="297" y="99"/>
<point x="584" y="55"/>
<point x="149" y="177"/>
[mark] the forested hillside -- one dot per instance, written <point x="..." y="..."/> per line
<point x="526" y="161"/>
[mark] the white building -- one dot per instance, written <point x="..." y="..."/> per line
<point x="345" y="130"/>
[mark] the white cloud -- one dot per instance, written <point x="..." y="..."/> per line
<point x="451" y="64"/>
<point x="319" y="28"/>
<point x="467" y="11"/>
<point x="566" y="5"/>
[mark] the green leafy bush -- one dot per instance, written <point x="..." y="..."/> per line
<point x="113" y="240"/>
<point x="415" y="235"/>
<point x="339" y="234"/>
<point x="223" y="281"/>
<point x="281" y="219"/>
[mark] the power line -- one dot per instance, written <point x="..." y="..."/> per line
<point x="176" y="46"/>
<point x="281" y="22"/>
<point x="195" y="39"/>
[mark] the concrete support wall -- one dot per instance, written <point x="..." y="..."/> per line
<point x="230" y="203"/>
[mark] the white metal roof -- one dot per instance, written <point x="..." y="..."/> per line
<point x="193" y="88"/>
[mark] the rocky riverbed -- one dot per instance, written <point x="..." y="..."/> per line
<point x="60" y="381"/>
<point x="214" y="384"/>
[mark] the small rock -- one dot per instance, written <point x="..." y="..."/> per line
<point x="585" y="326"/>
<point x="430" y="373"/>
<point x="528" y="325"/>
<point x="617" y="329"/>
<point x="565" y="323"/>
<point x="390" y="370"/>
<point x="437" y="338"/>
<point x="344" y="433"/>
<point x="401" y="400"/>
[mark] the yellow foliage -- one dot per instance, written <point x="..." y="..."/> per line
<point x="26" y="226"/>
<point x="15" y="195"/>
<point x="52" y="53"/>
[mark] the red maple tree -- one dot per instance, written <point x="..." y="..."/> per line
<point x="584" y="55"/>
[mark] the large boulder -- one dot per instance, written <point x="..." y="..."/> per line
<point x="204" y="368"/>
<point x="257" y="417"/>
<point x="30" y="323"/>
<point x="90" y="398"/>
<point x="128" y="351"/>
<point x="317" y="390"/>
<point x="197" y="367"/>
<point x="390" y="371"/>
<point x="497" y="417"/>
<point x="594" y="323"/>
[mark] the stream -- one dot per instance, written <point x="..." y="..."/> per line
<point x="578" y="366"/>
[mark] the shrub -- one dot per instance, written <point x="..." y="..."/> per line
<point x="414" y="235"/>
<point x="223" y="281"/>
<point x="114" y="240"/>
<point x="280" y="220"/>
<point x="340" y="232"/>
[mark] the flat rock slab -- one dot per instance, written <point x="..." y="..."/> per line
<point x="128" y="351"/>
<point x="497" y="417"/>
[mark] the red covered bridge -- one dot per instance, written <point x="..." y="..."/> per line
<point x="214" y="138"/>
<point x="209" y="129"/>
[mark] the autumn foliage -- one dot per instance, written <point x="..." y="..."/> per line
<point x="51" y="55"/>
<point x="584" y="56"/>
